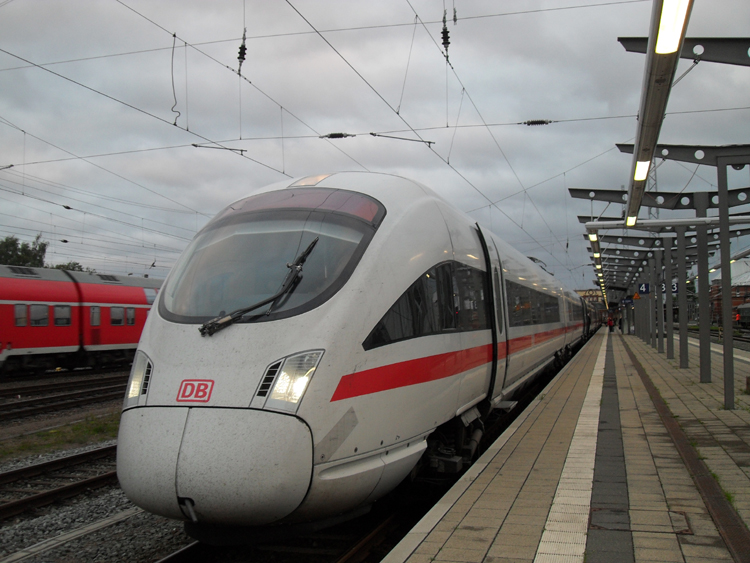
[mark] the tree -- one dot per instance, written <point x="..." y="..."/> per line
<point x="24" y="254"/>
<point x="70" y="266"/>
<point x="73" y="267"/>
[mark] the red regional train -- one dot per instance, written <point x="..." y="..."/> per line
<point x="56" y="318"/>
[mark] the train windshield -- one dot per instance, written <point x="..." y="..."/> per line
<point x="241" y="257"/>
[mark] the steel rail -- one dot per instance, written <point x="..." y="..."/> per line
<point x="21" y="409"/>
<point x="43" y="498"/>
<point x="15" y="507"/>
<point x="59" y="463"/>
<point x="52" y="387"/>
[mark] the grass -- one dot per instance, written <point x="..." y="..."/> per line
<point x="88" y="431"/>
<point x="727" y="495"/>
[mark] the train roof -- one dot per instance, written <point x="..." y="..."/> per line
<point x="53" y="274"/>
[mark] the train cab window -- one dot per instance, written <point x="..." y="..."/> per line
<point x="96" y="315"/>
<point x="130" y="316"/>
<point x="116" y="316"/>
<point x="21" y="314"/>
<point x="447" y="298"/>
<point x="39" y="315"/>
<point x="62" y="315"/>
<point x="240" y="258"/>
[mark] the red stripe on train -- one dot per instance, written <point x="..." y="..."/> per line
<point x="431" y="368"/>
<point x="411" y="372"/>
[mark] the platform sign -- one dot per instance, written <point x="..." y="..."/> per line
<point x="674" y="287"/>
<point x="626" y="301"/>
<point x="644" y="288"/>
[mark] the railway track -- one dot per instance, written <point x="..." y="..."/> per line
<point x="26" y="376"/>
<point x="38" y="485"/>
<point x="717" y="334"/>
<point x="51" y="403"/>
<point x="368" y="538"/>
<point x="50" y="388"/>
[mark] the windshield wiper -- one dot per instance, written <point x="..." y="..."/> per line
<point x="291" y="280"/>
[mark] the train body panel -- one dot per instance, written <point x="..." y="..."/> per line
<point x="404" y="323"/>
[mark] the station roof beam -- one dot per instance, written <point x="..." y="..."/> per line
<point x="669" y="20"/>
<point x="727" y="50"/>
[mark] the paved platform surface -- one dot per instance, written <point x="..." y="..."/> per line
<point x="592" y="472"/>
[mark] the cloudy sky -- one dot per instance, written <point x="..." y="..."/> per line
<point x="102" y="104"/>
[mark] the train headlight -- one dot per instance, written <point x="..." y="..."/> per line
<point x="140" y="377"/>
<point x="291" y="380"/>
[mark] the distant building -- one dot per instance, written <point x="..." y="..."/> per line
<point x="591" y="295"/>
<point x="740" y="290"/>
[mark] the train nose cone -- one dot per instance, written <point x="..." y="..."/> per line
<point x="235" y="466"/>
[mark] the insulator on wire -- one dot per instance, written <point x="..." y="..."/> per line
<point x="533" y="122"/>
<point x="243" y="51"/>
<point x="445" y="34"/>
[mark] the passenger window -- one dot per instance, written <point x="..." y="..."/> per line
<point x="551" y="308"/>
<point x="130" y="311"/>
<point x="39" y="315"/>
<point x="446" y="298"/>
<point x="116" y="316"/>
<point x="21" y="314"/>
<point x="528" y="306"/>
<point x="95" y="315"/>
<point x="62" y="315"/>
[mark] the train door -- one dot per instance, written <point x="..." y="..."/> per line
<point x="500" y="343"/>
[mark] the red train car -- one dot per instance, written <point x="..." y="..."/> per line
<point x="55" y="318"/>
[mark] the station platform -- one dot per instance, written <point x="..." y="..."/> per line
<point x="624" y="457"/>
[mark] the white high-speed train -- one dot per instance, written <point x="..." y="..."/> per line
<point x="320" y="340"/>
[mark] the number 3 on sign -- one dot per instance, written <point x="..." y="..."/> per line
<point x="664" y="287"/>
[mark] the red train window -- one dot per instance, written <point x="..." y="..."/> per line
<point x="39" y="315"/>
<point x="117" y="316"/>
<point x="130" y="311"/>
<point x="21" y="314"/>
<point x="96" y="315"/>
<point x="62" y="315"/>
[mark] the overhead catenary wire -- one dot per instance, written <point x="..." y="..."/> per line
<point x="129" y="105"/>
<point x="64" y="230"/>
<point x="379" y="95"/>
<point x="330" y="30"/>
<point x="83" y="159"/>
<point x="8" y="189"/>
<point x="45" y="182"/>
<point x="494" y="139"/>
<point x="241" y="77"/>
<point x="170" y="235"/>
<point x="386" y="132"/>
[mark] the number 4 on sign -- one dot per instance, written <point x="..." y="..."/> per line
<point x="643" y="288"/>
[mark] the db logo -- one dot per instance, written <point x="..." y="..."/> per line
<point x="195" y="390"/>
